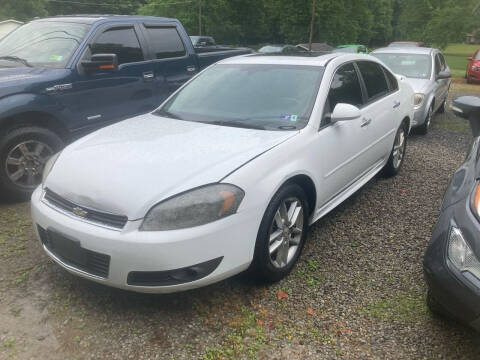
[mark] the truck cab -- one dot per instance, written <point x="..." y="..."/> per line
<point x="63" y="77"/>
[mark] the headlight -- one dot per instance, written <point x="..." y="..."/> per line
<point x="475" y="68"/>
<point x="194" y="208"/>
<point x="48" y="166"/>
<point x="460" y="254"/>
<point x="418" y="100"/>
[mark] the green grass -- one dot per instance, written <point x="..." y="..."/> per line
<point x="456" y="57"/>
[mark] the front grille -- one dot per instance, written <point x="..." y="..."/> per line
<point x="83" y="259"/>
<point x="102" y="218"/>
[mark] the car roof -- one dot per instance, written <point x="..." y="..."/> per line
<point x="94" y="18"/>
<point x="405" y="50"/>
<point x="310" y="59"/>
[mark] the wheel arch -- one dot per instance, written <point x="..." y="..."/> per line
<point x="33" y="118"/>
<point x="307" y="184"/>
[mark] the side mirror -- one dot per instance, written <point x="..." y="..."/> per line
<point x="468" y="107"/>
<point x="470" y="58"/>
<point x="444" y="75"/>
<point x="345" y="112"/>
<point x="100" y="63"/>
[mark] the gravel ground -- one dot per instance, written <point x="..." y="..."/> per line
<point x="357" y="292"/>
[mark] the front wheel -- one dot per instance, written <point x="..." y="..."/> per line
<point x="23" y="154"/>
<point x="281" y="235"/>
<point x="397" y="155"/>
<point x="423" y="129"/>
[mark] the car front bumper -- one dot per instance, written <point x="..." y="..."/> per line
<point x="457" y="292"/>
<point x="226" y="246"/>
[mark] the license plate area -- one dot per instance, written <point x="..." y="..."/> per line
<point x="66" y="248"/>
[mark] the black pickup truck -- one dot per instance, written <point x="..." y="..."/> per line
<point x="62" y="77"/>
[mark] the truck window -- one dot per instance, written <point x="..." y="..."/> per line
<point x="120" y="41"/>
<point x="165" y="42"/>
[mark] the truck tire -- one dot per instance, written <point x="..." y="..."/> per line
<point x="23" y="154"/>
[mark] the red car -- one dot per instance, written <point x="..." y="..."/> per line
<point x="473" y="68"/>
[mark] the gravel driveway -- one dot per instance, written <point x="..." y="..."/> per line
<point x="357" y="293"/>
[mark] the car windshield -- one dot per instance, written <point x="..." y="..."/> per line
<point x="346" y="49"/>
<point x="265" y="97"/>
<point x="42" y="43"/>
<point x="410" y="65"/>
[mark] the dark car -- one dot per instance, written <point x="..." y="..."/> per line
<point x="473" y="68"/>
<point x="451" y="263"/>
<point x="62" y="77"/>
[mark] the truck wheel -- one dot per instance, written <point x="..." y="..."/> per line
<point x="23" y="154"/>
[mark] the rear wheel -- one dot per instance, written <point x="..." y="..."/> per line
<point x="23" y="154"/>
<point x="395" y="161"/>
<point x="281" y="235"/>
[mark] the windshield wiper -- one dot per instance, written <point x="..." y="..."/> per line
<point x="168" y="114"/>
<point x="237" y="124"/>
<point x="16" y="59"/>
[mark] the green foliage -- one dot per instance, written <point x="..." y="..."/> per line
<point x="241" y="22"/>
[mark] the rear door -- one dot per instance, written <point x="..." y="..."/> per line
<point x="443" y="85"/>
<point x="381" y="111"/>
<point x="173" y="64"/>
<point x="101" y="98"/>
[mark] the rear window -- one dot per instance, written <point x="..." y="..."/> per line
<point x="165" y="42"/>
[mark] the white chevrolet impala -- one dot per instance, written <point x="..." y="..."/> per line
<point x="226" y="175"/>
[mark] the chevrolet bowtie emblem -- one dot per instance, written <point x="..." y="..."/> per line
<point x="80" y="212"/>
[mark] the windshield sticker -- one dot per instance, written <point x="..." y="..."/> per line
<point x="56" y="58"/>
<point x="289" y="117"/>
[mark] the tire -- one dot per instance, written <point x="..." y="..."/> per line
<point x="441" y="109"/>
<point x="423" y="129"/>
<point x="23" y="154"/>
<point x="271" y="265"/>
<point x="397" y="155"/>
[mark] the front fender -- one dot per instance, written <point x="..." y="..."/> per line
<point x="29" y="102"/>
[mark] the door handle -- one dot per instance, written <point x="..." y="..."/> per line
<point x="148" y="76"/>
<point x="365" y="122"/>
<point x="396" y="104"/>
<point x="191" y="68"/>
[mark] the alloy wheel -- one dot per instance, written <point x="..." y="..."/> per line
<point x="25" y="162"/>
<point x="399" y="148"/>
<point x="286" y="232"/>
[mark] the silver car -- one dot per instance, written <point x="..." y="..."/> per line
<point x="427" y="72"/>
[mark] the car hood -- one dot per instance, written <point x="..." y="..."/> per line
<point x="128" y="167"/>
<point x="418" y="85"/>
<point x="22" y="79"/>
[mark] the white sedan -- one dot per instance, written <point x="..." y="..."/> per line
<point x="226" y="175"/>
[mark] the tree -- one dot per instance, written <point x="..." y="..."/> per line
<point x="22" y="10"/>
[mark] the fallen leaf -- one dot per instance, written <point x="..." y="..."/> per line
<point x="310" y="311"/>
<point x="402" y="191"/>
<point x="260" y="322"/>
<point x="281" y="295"/>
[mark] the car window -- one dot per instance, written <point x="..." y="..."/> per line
<point x="438" y="64"/>
<point x="120" y="41"/>
<point x="477" y="57"/>
<point x="345" y="88"/>
<point x="442" y="61"/>
<point x="392" y="80"/>
<point x="166" y="42"/>
<point x="374" y="79"/>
